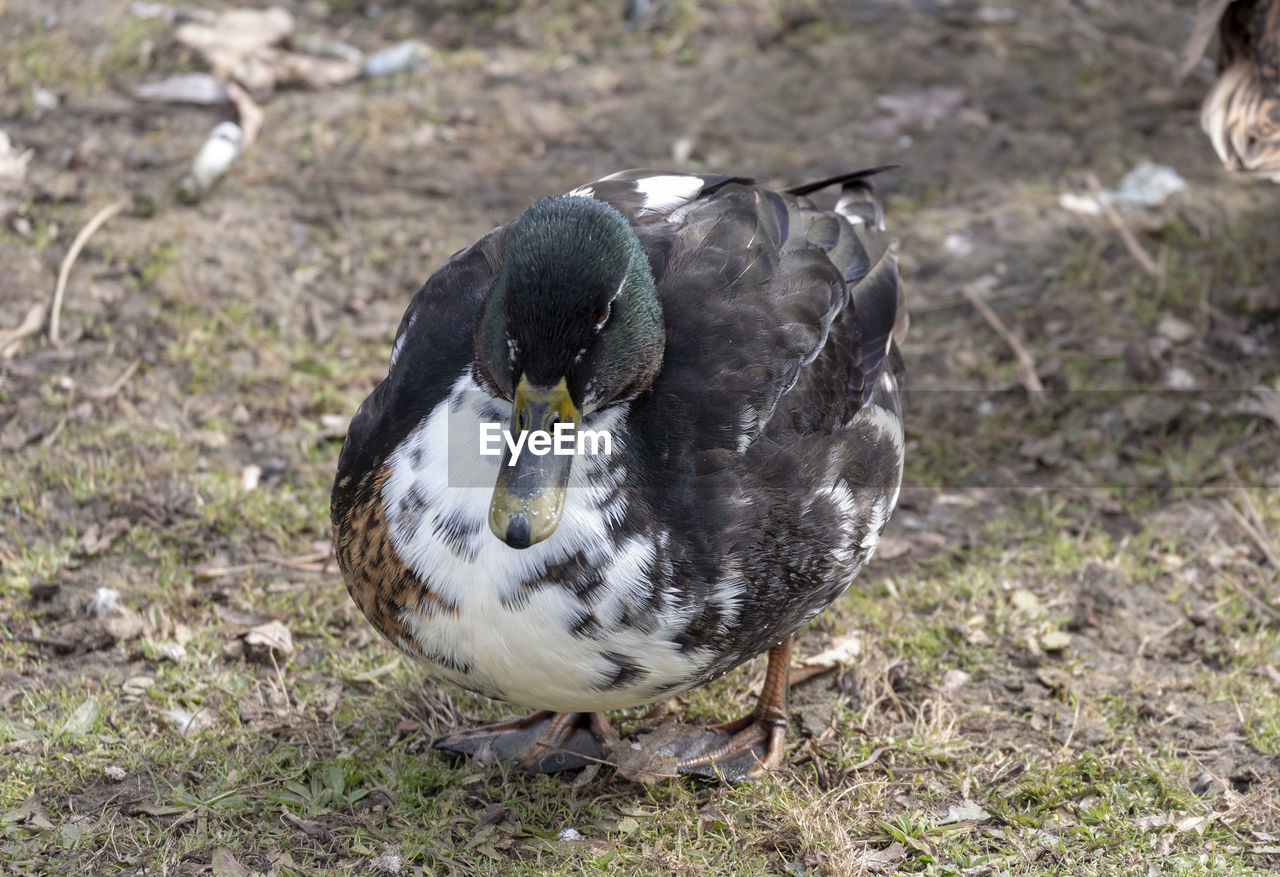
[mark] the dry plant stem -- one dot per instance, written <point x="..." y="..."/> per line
<point x="251" y="115"/>
<point x="264" y="354"/>
<point x="101" y="395"/>
<point x="1259" y="538"/>
<point x="1254" y="524"/>
<point x="1026" y="364"/>
<point x="30" y="325"/>
<point x="1254" y="599"/>
<point x="302" y="563"/>
<point x="64" y="272"/>
<point x="1153" y="638"/>
<point x="1141" y="256"/>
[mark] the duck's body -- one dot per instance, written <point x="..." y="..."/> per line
<point x="1241" y="113"/>
<point x="753" y="464"/>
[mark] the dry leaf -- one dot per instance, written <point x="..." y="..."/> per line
<point x="267" y="638"/>
<point x="224" y="864"/>
<point x="239" y="45"/>
<point x="97" y="539"/>
<point x="885" y="860"/>
<point x="841" y="653"/>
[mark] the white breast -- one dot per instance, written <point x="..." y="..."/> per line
<point x="511" y="641"/>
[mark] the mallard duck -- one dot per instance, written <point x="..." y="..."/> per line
<point x="1241" y="113"/>
<point x="737" y="347"/>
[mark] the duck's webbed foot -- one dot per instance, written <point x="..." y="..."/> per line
<point x="543" y="742"/>
<point x="750" y="747"/>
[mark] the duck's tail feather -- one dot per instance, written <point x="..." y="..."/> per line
<point x="840" y="180"/>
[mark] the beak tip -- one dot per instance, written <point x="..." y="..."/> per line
<point x="518" y="533"/>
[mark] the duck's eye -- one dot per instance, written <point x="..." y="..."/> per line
<point x="604" y="318"/>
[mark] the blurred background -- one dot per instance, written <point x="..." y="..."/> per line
<point x="1073" y="616"/>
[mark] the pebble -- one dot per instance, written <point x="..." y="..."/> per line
<point x="409" y="55"/>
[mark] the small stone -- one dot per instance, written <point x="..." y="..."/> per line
<point x="1052" y="677"/>
<point x="1024" y="601"/>
<point x="1055" y="641"/>
<point x="136" y="686"/>
<point x="953" y="680"/>
<point x="958" y="244"/>
<point x="1176" y="330"/>
<point x="115" y="773"/>
<point x="409" y="55"/>
<point x="170" y="651"/>
<point x="1178" y="378"/>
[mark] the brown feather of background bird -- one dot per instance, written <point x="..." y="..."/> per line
<point x="1241" y="113"/>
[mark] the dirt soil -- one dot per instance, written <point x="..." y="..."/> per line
<point x="1072" y="586"/>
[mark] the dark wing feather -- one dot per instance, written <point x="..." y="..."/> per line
<point x="854" y="239"/>
<point x="747" y="301"/>
<point x="433" y="348"/>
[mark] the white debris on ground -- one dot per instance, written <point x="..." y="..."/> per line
<point x="390" y="862"/>
<point x="187" y="88"/>
<point x="171" y="651"/>
<point x="118" y="620"/>
<point x="246" y="63"/>
<point x="958" y="244"/>
<point x="1145" y="187"/>
<point x="13" y="163"/>
<point x="185" y="722"/>
<point x="104" y="603"/>
<point x="211" y="162"/>
<point x="409" y="55"/>
<point x="250" y="477"/>
<point x="569" y="834"/>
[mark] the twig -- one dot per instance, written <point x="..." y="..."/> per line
<point x="52" y="437"/>
<point x="302" y="563"/>
<point x="1160" y="634"/>
<point x="1259" y="529"/>
<point x="869" y="760"/>
<point x="1026" y="364"/>
<point x="1260" y="539"/>
<point x="30" y="325"/>
<point x="251" y="114"/>
<point x="1075" y="723"/>
<point x="187" y="294"/>
<point x="1130" y="242"/>
<point x="1254" y="599"/>
<point x="64" y="272"/>
<point x="103" y="393"/>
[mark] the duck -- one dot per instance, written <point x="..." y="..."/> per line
<point x="627" y="442"/>
<point x="1241" y="112"/>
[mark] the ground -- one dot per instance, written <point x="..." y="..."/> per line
<point x="1064" y="660"/>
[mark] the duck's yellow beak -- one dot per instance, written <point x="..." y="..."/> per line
<point x="534" y="475"/>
